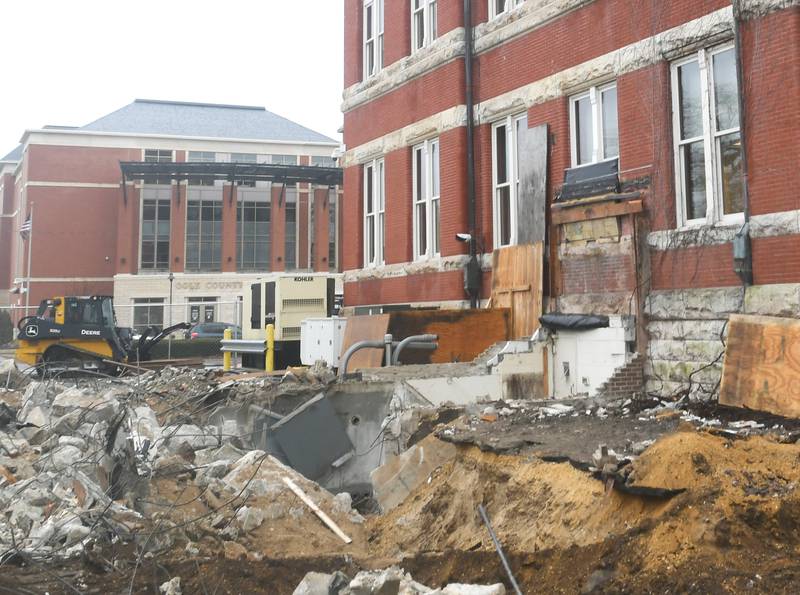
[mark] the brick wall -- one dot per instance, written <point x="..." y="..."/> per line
<point x="398" y="226"/>
<point x="776" y="260"/>
<point x="7" y="232"/>
<point x="128" y="233"/>
<point x="701" y="266"/>
<point x="353" y="17"/>
<point x="419" y="98"/>
<point x="771" y="48"/>
<point x="626" y="381"/>
<point x="599" y="273"/>
<point x="397" y="30"/>
<point x="453" y="201"/>
<point x="772" y="78"/>
<point x="352" y="213"/>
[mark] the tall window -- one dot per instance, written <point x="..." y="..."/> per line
<point x="202" y="156"/>
<point x="498" y="7"/>
<point x="505" y="178"/>
<point x="318" y="161"/>
<point x="155" y="226"/>
<point x="333" y="228"/>
<point x="373" y="37"/>
<point x="148" y="312"/>
<point x="708" y="143"/>
<point x="426" y="199"/>
<point x="423" y="23"/>
<point x="204" y="230"/>
<point x="374" y="206"/>
<point x="253" y="225"/>
<point x="290" y="251"/>
<point x="157" y="156"/>
<point x="244" y="158"/>
<point x="283" y="159"/>
<point x="593" y="124"/>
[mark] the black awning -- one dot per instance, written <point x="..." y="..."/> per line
<point x="573" y="322"/>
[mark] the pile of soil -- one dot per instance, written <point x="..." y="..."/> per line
<point x="736" y="526"/>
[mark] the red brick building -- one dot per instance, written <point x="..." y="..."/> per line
<point x="652" y="133"/>
<point x="91" y="236"/>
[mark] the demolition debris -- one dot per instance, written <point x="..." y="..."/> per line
<point x="188" y="480"/>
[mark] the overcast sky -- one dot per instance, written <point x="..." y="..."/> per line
<point x="69" y="63"/>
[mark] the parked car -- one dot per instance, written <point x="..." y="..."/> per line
<point x="213" y="330"/>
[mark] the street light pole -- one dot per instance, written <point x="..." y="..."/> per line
<point x="30" y="254"/>
<point x="169" y="339"/>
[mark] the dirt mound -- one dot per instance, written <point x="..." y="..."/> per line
<point x="533" y="505"/>
<point x="741" y="504"/>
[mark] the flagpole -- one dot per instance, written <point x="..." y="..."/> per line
<point x="30" y="252"/>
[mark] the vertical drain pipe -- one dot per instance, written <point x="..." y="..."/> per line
<point x="472" y="272"/>
<point x="743" y="255"/>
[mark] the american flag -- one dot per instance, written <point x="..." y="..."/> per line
<point x="25" y="228"/>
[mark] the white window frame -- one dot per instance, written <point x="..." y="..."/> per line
<point x="714" y="192"/>
<point x="508" y="5"/>
<point x="512" y="174"/>
<point x="375" y="169"/>
<point x="372" y="47"/>
<point x="428" y="9"/>
<point x="430" y="199"/>
<point x="595" y="95"/>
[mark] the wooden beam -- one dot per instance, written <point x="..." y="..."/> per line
<point x="599" y="211"/>
<point x="582" y="202"/>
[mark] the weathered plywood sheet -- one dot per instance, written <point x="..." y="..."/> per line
<point x="365" y="328"/>
<point x="463" y="334"/>
<point x="533" y="184"/>
<point x="517" y="285"/>
<point x="762" y="365"/>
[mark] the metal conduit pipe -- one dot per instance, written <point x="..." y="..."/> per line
<point x="387" y="341"/>
<point x="412" y="339"/>
<point x="357" y="347"/>
<point x="379" y="345"/>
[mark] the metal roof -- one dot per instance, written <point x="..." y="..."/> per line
<point x="205" y="120"/>
<point x="14" y="156"/>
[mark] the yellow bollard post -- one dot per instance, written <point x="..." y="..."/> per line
<point x="226" y="355"/>
<point x="269" y="360"/>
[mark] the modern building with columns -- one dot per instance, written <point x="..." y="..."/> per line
<point x="660" y="141"/>
<point x="203" y="240"/>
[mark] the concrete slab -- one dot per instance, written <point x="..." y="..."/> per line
<point x="402" y="474"/>
<point x="459" y="391"/>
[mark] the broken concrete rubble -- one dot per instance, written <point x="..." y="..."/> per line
<point x="196" y="489"/>
<point x="391" y="581"/>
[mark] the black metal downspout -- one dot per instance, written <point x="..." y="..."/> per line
<point x="743" y="261"/>
<point x="472" y="272"/>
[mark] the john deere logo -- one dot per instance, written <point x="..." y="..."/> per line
<point x="31" y="330"/>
